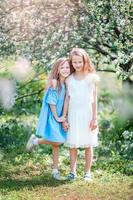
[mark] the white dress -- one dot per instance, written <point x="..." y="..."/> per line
<point x="80" y="111"/>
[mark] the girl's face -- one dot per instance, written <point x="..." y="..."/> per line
<point x="64" y="70"/>
<point x="78" y="63"/>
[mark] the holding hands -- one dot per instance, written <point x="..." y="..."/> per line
<point x="61" y="119"/>
<point x="65" y="125"/>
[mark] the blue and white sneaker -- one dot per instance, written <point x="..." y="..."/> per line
<point x="71" y="177"/>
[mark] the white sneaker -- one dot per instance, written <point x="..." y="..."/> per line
<point x="56" y="175"/>
<point x="87" y="177"/>
<point x="30" y="144"/>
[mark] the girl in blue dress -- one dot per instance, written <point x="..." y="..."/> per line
<point x="49" y="126"/>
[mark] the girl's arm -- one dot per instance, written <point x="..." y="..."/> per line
<point x="66" y="104"/>
<point x="58" y="119"/>
<point x="65" y="111"/>
<point x="94" y="104"/>
<point x="93" y="123"/>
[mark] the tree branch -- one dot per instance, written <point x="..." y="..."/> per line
<point x="30" y="94"/>
<point x="106" y="70"/>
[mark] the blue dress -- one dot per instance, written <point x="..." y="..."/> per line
<point x="48" y="128"/>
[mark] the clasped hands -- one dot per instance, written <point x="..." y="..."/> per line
<point x="93" y="125"/>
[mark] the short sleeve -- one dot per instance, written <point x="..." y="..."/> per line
<point x="52" y="96"/>
<point x="95" y="78"/>
<point x="92" y="78"/>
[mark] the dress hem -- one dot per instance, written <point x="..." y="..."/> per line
<point x="80" y="146"/>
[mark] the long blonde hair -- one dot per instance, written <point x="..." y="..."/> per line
<point x="88" y="65"/>
<point x="55" y="72"/>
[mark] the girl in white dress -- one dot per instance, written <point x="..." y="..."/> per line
<point x="80" y="104"/>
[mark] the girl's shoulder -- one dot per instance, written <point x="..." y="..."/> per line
<point x="68" y="79"/>
<point x="51" y="83"/>
<point x="92" y="77"/>
<point x="52" y="87"/>
<point x="54" y="83"/>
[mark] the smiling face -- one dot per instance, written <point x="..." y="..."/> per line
<point x="77" y="63"/>
<point x="64" y="70"/>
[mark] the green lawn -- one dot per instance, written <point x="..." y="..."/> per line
<point x="27" y="177"/>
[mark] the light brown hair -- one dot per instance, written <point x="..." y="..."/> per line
<point x="88" y="65"/>
<point x="55" y="72"/>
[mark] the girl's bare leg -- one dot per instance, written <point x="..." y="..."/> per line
<point x="55" y="172"/>
<point x="34" y="141"/>
<point x="42" y="141"/>
<point x="73" y="160"/>
<point x="55" y="150"/>
<point x="88" y="159"/>
<point x="55" y="156"/>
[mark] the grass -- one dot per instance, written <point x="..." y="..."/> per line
<point x="44" y="187"/>
<point x="27" y="176"/>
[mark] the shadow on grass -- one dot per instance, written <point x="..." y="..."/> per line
<point x="17" y="184"/>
